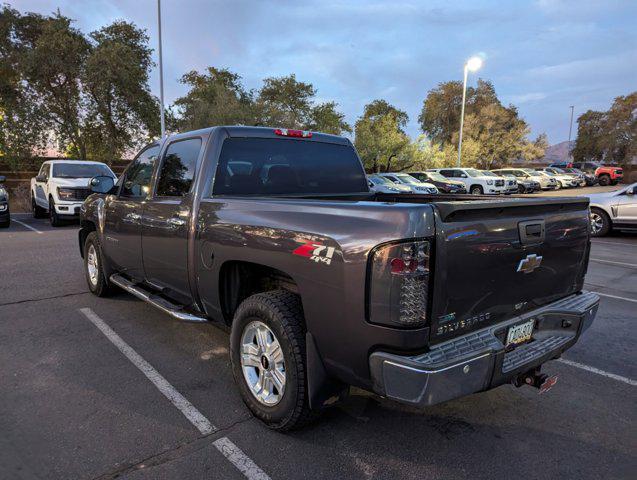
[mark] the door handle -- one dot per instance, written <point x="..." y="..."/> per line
<point x="176" y="222"/>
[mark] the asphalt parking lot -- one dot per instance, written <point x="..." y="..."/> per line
<point x="76" y="403"/>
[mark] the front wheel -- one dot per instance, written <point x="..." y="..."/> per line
<point x="558" y="185"/>
<point x="53" y="215"/>
<point x="600" y="222"/>
<point x="267" y="349"/>
<point x="98" y="284"/>
<point x="604" y="180"/>
<point x="476" y="190"/>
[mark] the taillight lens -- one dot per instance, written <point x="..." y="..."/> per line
<point x="285" y="132"/>
<point x="399" y="284"/>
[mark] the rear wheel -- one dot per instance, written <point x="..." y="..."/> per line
<point x="600" y="222"/>
<point x="94" y="269"/>
<point x="267" y="349"/>
<point x="38" y="212"/>
<point x="476" y="190"/>
<point x="604" y="180"/>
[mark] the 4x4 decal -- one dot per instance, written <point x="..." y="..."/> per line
<point x="315" y="251"/>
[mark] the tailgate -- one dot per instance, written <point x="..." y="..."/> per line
<point x="497" y="259"/>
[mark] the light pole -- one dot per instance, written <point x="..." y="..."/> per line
<point x="161" y="75"/>
<point x="473" y="64"/>
<point x="570" y="129"/>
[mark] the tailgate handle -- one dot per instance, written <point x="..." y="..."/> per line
<point x="531" y="231"/>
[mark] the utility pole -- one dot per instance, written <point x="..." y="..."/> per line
<point x="570" y="130"/>
<point x="161" y="74"/>
<point x="473" y="64"/>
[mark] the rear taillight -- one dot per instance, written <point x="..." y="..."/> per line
<point x="293" y="133"/>
<point x="399" y="284"/>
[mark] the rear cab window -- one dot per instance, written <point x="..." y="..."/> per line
<point x="269" y="166"/>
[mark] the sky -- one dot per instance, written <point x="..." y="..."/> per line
<point x="541" y="55"/>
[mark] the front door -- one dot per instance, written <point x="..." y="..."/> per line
<point x="166" y="221"/>
<point x="121" y="240"/>
<point x="627" y="207"/>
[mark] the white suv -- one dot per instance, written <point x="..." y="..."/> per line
<point x="414" y="184"/>
<point x="380" y="184"/>
<point x="477" y="183"/>
<point x="61" y="186"/>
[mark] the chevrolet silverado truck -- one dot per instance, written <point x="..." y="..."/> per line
<point x="274" y="235"/>
<point x="60" y="187"/>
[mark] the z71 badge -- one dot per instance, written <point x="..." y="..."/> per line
<point x="315" y="251"/>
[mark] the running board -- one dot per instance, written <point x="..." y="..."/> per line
<point x="172" y="309"/>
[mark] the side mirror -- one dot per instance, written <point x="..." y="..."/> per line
<point x="40" y="178"/>
<point x="630" y="191"/>
<point x="101" y="184"/>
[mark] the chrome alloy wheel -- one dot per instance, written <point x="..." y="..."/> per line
<point x="597" y="223"/>
<point x="262" y="363"/>
<point x="92" y="264"/>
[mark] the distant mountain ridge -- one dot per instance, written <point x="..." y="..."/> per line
<point x="558" y="152"/>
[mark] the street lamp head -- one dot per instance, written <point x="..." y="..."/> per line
<point x="474" y="63"/>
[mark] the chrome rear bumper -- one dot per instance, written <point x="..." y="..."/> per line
<point x="478" y="361"/>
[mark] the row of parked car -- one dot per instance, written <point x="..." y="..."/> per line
<point x="489" y="182"/>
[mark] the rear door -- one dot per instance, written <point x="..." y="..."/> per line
<point x="167" y="219"/>
<point x="497" y="259"/>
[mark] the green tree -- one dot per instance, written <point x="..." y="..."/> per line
<point x="380" y="138"/>
<point x="325" y="118"/>
<point x="609" y="136"/>
<point x="286" y="102"/>
<point x="215" y="98"/>
<point x="91" y="92"/>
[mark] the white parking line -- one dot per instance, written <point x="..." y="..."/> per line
<point x="614" y="243"/>
<point x="588" y="368"/>
<point x="615" y="296"/>
<point x="240" y="460"/>
<point x="623" y="264"/>
<point x="228" y="449"/>
<point x="177" y="399"/>
<point x="25" y="225"/>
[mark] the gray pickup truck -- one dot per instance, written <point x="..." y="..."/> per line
<point x="274" y="234"/>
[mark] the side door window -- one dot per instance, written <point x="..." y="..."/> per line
<point x="393" y="179"/>
<point x="135" y="183"/>
<point x="447" y="173"/>
<point x="178" y="168"/>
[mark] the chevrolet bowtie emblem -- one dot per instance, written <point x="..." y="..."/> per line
<point x="530" y="263"/>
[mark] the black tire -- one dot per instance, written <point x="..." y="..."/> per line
<point x="521" y="189"/>
<point x="614" y="182"/>
<point x="53" y="216"/>
<point x="604" y="180"/>
<point x="38" y="212"/>
<point x="6" y="224"/>
<point x="558" y="185"/>
<point x="101" y="286"/>
<point x="600" y="217"/>
<point x="476" y="190"/>
<point x="282" y="313"/>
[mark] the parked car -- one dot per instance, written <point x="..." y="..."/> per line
<point x="579" y="177"/>
<point x="5" y="214"/>
<point x="563" y="180"/>
<point x="61" y="186"/>
<point x="522" y="185"/>
<point x="523" y="175"/>
<point x="380" y="184"/>
<point x="274" y="234"/>
<point x="605" y="175"/>
<point x="475" y="181"/>
<point x="510" y="184"/>
<point x="613" y="210"/>
<point x="588" y="177"/>
<point x="416" y="185"/>
<point x="443" y="184"/>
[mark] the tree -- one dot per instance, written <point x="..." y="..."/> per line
<point x="215" y="98"/>
<point x="284" y="101"/>
<point x="91" y="92"/>
<point x="325" y="118"/>
<point x="609" y="136"/>
<point x="380" y="138"/>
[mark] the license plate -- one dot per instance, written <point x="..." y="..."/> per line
<point x="520" y="333"/>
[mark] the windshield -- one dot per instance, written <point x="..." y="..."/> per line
<point x="437" y="176"/>
<point x="488" y="173"/>
<point x="407" y="178"/>
<point x="271" y="166"/>
<point x="472" y="172"/>
<point x="80" y="170"/>
<point x="559" y="170"/>
<point x="530" y="171"/>
<point x="379" y="179"/>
